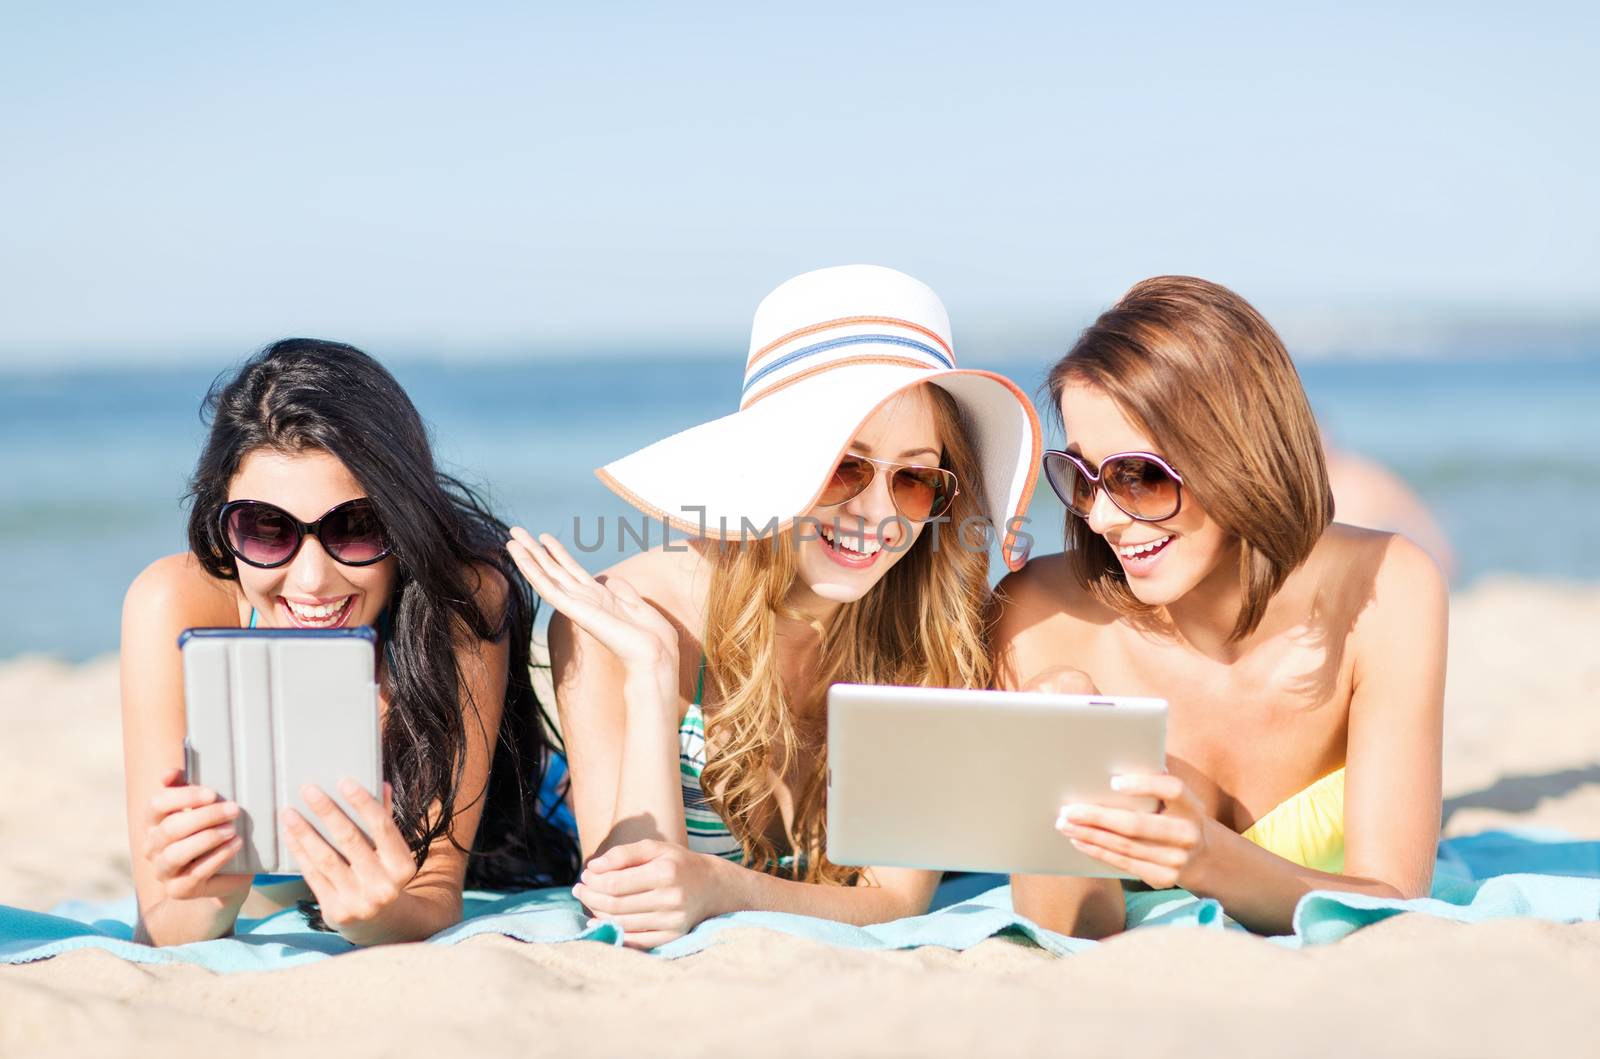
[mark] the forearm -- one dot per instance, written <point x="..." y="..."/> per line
<point x="174" y="922"/>
<point x="750" y="890"/>
<point x="1077" y="907"/>
<point x="416" y="915"/>
<point x="649" y="801"/>
<point x="1261" y="889"/>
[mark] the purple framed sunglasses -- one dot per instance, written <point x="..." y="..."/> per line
<point x="1142" y="485"/>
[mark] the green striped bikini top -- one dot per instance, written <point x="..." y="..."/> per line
<point x="707" y="831"/>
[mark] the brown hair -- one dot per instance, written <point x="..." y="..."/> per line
<point x="1200" y="371"/>
<point x="922" y="624"/>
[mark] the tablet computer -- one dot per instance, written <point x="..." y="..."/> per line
<point x="958" y="780"/>
<point x="270" y="710"/>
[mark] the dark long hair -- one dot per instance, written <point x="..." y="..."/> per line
<point x="304" y="394"/>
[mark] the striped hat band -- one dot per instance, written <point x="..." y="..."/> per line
<point x="820" y="347"/>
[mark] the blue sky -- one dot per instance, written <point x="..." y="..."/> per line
<point x="184" y="179"/>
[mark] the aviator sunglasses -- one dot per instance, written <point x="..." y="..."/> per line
<point x="918" y="493"/>
<point x="266" y="536"/>
<point x="1142" y="485"/>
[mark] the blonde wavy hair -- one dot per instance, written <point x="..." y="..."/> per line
<point x="921" y="624"/>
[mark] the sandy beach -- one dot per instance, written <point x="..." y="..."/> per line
<point x="1522" y="747"/>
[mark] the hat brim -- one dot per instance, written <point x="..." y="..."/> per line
<point x="744" y="475"/>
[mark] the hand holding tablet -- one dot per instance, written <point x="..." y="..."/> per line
<point x="282" y="719"/>
<point x="963" y="780"/>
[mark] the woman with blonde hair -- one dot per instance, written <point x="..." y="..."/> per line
<point x="1303" y="659"/>
<point x="841" y="517"/>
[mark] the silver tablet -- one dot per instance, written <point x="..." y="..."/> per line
<point x="973" y="780"/>
<point x="270" y="710"/>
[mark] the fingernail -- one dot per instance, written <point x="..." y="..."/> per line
<point x="231" y="809"/>
<point x="1121" y="783"/>
<point x="1072" y="813"/>
<point x="348" y="788"/>
<point x="1084" y="846"/>
<point x="575" y="890"/>
<point x="226" y="832"/>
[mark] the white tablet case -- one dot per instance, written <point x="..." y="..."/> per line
<point x="269" y="710"/>
<point x="973" y="780"/>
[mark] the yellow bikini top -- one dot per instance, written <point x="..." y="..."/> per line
<point x="1308" y="827"/>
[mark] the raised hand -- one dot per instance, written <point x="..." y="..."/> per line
<point x="611" y="610"/>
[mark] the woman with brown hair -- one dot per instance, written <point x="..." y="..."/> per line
<point x="1303" y="659"/>
<point x="836" y="513"/>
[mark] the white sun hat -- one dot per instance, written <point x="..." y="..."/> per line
<point x="827" y="349"/>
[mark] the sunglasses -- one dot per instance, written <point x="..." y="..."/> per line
<point x="265" y="536"/>
<point x="918" y="493"/>
<point x="1142" y="485"/>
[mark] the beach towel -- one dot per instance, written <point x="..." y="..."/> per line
<point x="282" y="940"/>
<point x="1495" y="875"/>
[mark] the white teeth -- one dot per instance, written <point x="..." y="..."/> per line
<point x="1141" y="549"/>
<point x="316" y="613"/>
<point x="866" y="547"/>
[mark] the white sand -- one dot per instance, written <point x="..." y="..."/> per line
<point x="1522" y="746"/>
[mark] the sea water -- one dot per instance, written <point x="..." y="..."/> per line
<point x="93" y="464"/>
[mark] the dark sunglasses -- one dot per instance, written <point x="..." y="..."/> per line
<point x="266" y="536"/>
<point x="918" y="493"/>
<point x="1142" y="485"/>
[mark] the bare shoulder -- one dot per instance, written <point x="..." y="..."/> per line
<point x="170" y="595"/>
<point x="1408" y="580"/>
<point x="177" y="589"/>
<point x="1040" y="615"/>
<point x="1384" y="580"/>
<point x="1045" y="589"/>
<point x="674" y="579"/>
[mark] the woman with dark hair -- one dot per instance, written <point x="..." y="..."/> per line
<point x="321" y="434"/>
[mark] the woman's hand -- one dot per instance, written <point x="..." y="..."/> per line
<point x="610" y="611"/>
<point x="355" y="881"/>
<point x="655" y="891"/>
<point x="1165" y="848"/>
<point x="190" y="835"/>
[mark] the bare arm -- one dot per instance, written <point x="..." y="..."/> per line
<point x="656" y="891"/>
<point x="178" y="835"/>
<point x="1028" y="657"/>
<point x="1392" y="799"/>
<point x="881" y="895"/>
<point x="430" y="900"/>
<point x="614" y="658"/>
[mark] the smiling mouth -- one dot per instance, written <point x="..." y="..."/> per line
<point x="1145" y="550"/>
<point x="858" y="554"/>
<point x="319" y="615"/>
<point x="1140" y="560"/>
